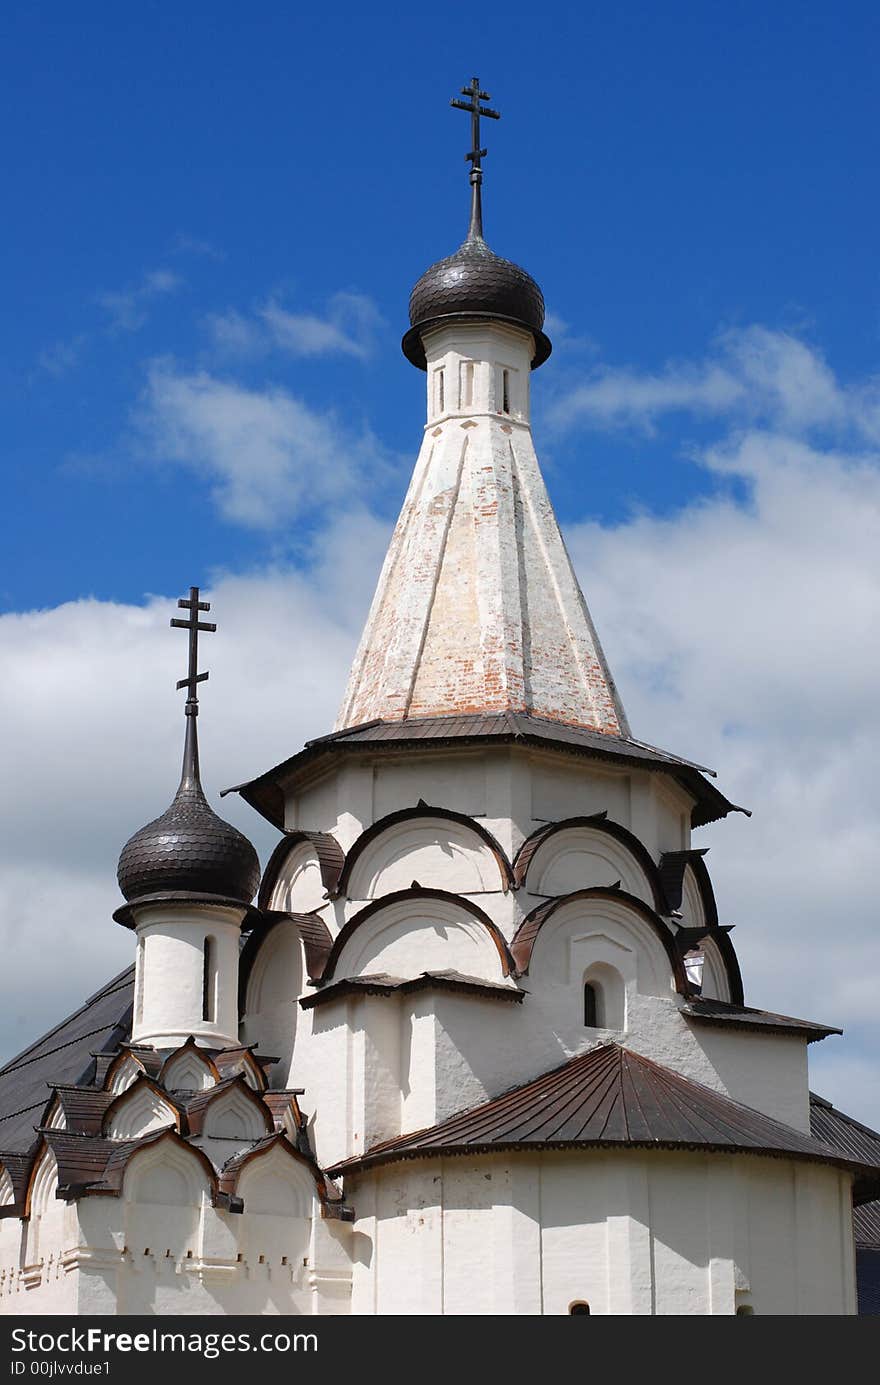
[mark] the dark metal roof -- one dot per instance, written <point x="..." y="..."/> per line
<point x="266" y="794"/>
<point x="381" y="984"/>
<point x="868" y="1280"/>
<point x="732" y="1016"/>
<point x="866" y="1224"/>
<point x="475" y="284"/>
<point x="844" y="1133"/>
<point x="608" y="1097"/>
<point x="189" y="850"/>
<point x="64" y="1055"/>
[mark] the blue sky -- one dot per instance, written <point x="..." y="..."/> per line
<point x="665" y="172"/>
<point x="213" y="218"/>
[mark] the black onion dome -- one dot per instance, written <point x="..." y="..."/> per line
<point x="475" y="283"/>
<point x="189" y="850"/>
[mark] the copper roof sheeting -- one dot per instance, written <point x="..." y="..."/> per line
<point x="64" y="1055"/>
<point x="731" y="1016"/>
<point x="264" y="792"/>
<point x="608" y="1098"/>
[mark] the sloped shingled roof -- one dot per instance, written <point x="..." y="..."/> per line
<point x="264" y="793"/>
<point x="855" y="1139"/>
<point x="63" y="1056"/>
<point x="723" y="1012"/>
<point x="610" y="1097"/>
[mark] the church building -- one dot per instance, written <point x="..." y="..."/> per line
<point x="475" y="1041"/>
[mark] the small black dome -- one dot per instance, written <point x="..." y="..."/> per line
<point x="189" y="850"/>
<point x="475" y="283"/>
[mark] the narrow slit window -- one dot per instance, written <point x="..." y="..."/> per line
<point x="579" y="1309"/>
<point x="441" y="392"/>
<point x="505" y="391"/>
<point x="208" y="980"/>
<point x="139" y="974"/>
<point x="591" y="1006"/>
<point x="467" y="384"/>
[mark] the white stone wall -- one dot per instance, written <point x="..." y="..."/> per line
<point x="170" y="975"/>
<point x="629" y="1233"/>
<point x="491" y="1046"/>
<point x="161" y="1248"/>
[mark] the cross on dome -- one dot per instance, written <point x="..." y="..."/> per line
<point x="475" y="154"/>
<point x="193" y="625"/>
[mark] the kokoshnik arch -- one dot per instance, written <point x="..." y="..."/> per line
<point x="480" y="1046"/>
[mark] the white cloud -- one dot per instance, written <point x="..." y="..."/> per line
<point x="128" y="309"/>
<point x="267" y="454"/>
<point x="93" y="733"/>
<point x="752" y="374"/>
<point x="348" y="327"/>
<point x="743" y="634"/>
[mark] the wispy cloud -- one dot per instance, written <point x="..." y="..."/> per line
<point x="268" y="455"/>
<point x="751" y="374"/>
<point x="184" y="244"/>
<point x="128" y="309"/>
<point x="347" y="327"/>
<point x="62" y="356"/>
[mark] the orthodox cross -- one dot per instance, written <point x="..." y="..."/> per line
<point x="476" y="110"/>
<point x="193" y="625"/>
<point x="476" y="153"/>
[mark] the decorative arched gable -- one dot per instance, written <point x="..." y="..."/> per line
<point x="273" y="1157"/>
<point x="689" y="890"/>
<point x="449" y="850"/>
<point x="139" y="1110"/>
<point x="188" y="1069"/>
<point x="241" y="1062"/>
<point x="277" y="1181"/>
<point x="526" y="937"/>
<point x="166" y="1171"/>
<point x="7" y="1188"/>
<point x="233" y="1111"/>
<point x="271" y="969"/>
<point x="55" y="1119"/>
<point x="42" y="1183"/>
<point x="412" y="931"/>
<point x="302" y="873"/>
<point x="122" y="1072"/>
<point x="607" y="848"/>
<point x="289" y="935"/>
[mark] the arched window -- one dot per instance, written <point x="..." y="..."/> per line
<point x="592" y="1007"/>
<point x="581" y="1306"/>
<point x="208" y="983"/>
<point x="745" y="1310"/>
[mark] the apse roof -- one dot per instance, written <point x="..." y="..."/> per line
<point x="722" y="1012"/>
<point x="608" y="1098"/>
<point x="64" y="1055"/>
<point x="265" y="793"/>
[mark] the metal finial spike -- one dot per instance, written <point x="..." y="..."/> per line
<point x="475" y="155"/>
<point x="193" y="625"/>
